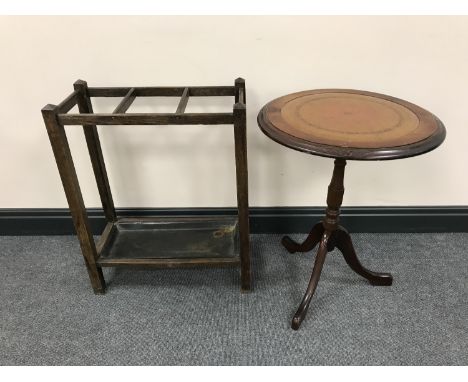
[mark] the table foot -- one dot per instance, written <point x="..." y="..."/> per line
<point x="309" y="243"/>
<point x="344" y="243"/>
<point x="314" y="279"/>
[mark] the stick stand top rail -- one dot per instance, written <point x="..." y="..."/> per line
<point x="129" y="94"/>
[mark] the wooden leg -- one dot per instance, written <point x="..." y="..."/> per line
<point x="61" y="149"/>
<point x="327" y="227"/>
<point x="95" y="153"/>
<point x="314" y="279"/>
<point x="345" y="245"/>
<point x="309" y="243"/>
<point x="240" y="141"/>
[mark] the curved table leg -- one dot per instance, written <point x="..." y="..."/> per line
<point x="345" y="245"/>
<point x="312" y="240"/>
<point x="314" y="279"/>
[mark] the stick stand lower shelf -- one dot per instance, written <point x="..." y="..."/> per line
<point x="162" y="242"/>
<point x="165" y="243"/>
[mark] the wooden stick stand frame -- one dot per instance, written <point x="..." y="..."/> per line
<point x="160" y="241"/>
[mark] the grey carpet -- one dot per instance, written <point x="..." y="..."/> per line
<point x="49" y="315"/>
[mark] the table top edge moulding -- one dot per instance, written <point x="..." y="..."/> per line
<point x="162" y="242"/>
<point x="424" y="131"/>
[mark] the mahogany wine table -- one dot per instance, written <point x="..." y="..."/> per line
<point x="345" y="125"/>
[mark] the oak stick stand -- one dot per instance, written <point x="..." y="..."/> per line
<point x="162" y="242"/>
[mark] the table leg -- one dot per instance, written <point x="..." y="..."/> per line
<point x="314" y="279"/>
<point x="345" y="245"/>
<point x="309" y="243"/>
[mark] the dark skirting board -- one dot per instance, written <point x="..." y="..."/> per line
<point x="58" y="221"/>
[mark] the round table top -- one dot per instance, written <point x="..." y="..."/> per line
<point x="351" y="124"/>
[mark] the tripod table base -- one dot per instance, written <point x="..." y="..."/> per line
<point x="328" y="241"/>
